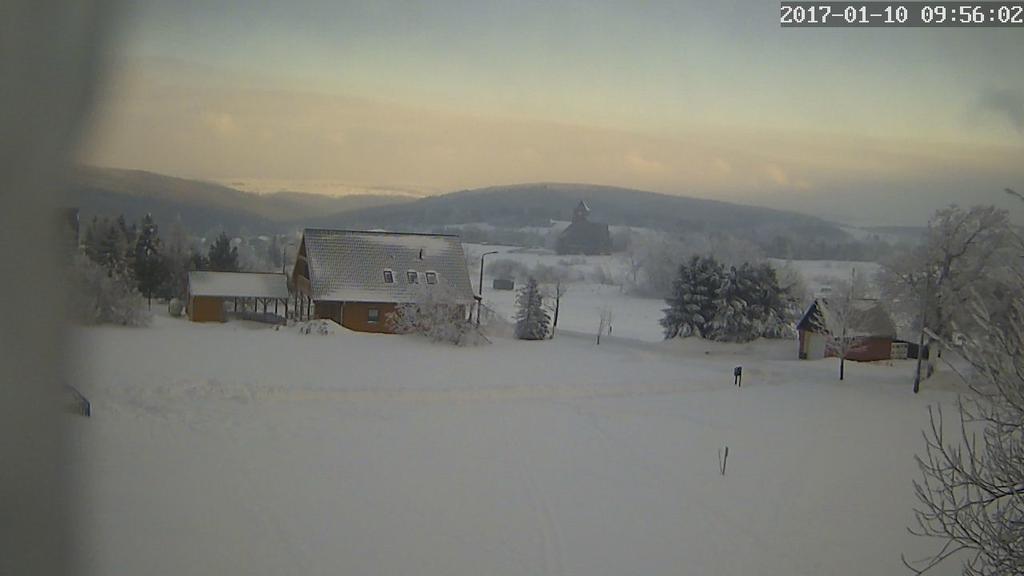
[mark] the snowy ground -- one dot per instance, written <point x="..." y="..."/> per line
<point x="238" y="449"/>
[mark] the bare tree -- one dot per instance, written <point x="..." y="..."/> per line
<point x="971" y="492"/>
<point x="557" y="294"/>
<point x="836" y="321"/>
<point x="951" y="267"/>
<point x="605" y="324"/>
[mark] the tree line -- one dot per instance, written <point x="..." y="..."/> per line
<point x="156" y="267"/>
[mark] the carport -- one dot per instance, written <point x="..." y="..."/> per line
<point x="211" y="293"/>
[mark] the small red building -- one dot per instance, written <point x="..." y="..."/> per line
<point x="870" y="329"/>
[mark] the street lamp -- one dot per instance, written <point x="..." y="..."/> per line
<point x="480" y="304"/>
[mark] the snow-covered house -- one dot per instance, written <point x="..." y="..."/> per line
<point x="583" y="236"/>
<point x="356" y="278"/>
<point x="210" y="292"/>
<point x="869" y="325"/>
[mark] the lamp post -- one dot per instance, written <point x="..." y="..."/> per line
<point x="480" y="304"/>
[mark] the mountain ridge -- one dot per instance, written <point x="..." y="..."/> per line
<point x="202" y="206"/>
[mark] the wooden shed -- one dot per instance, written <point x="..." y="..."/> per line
<point x="870" y="325"/>
<point x="211" y="293"/>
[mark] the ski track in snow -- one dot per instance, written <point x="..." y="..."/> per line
<point x="551" y="550"/>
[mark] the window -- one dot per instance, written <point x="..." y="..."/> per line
<point x="431" y="277"/>
<point x="389" y="277"/>
<point x="413" y="276"/>
<point x="373" y="315"/>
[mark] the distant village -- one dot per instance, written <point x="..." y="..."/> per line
<point x="361" y="280"/>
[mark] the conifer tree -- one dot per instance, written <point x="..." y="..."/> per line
<point x="90" y="240"/>
<point x="177" y="257"/>
<point x="532" y="320"/>
<point x="223" y="257"/>
<point x="147" y="263"/>
<point x="112" y="250"/>
<point x="274" y="253"/>
<point x="733" y="321"/>
<point x="735" y="305"/>
<point x="692" y="306"/>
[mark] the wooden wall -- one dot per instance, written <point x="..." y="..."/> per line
<point x="327" y="310"/>
<point x="356" y="316"/>
<point x="206" y="309"/>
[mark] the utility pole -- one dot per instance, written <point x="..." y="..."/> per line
<point x="925" y="301"/>
<point x="847" y="312"/>
<point x="480" y="304"/>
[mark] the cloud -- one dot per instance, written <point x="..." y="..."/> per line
<point x="1006" y="103"/>
<point x="781" y="178"/>
<point x="221" y="123"/>
<point x="638" y="163"/>
<point x="721" y="166"/>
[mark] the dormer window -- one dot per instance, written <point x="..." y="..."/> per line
<point x="431" y="277"/>
<point x="389" y="277"/>
<point x="413" y="277"/>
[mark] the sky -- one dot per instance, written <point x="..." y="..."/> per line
<point x="708" y="99"/>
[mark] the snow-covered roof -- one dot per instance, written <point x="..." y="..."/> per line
<point x="869" y="318"/>
<point x="238" y="284"/>
<point x="349" y="265"/>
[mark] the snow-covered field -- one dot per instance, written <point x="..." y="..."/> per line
<point x="821" y="275"/>
<point x="633" y="317"/>
<point x="240" y="449"/>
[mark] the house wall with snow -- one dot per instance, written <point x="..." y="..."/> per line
<point x="357" y="278"/>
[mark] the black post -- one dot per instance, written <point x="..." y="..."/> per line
<point x="480" y="303"/>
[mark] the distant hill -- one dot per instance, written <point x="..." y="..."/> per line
<point x="538" y="204"/>
<point x="202" y="206"/>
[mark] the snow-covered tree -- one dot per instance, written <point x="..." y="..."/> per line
<point x="108" y="243"/>
<point x="792" y="282"/>
<point x="735" y="305"/>
<point x="958" y="261"/>
<point x="101" y="297"/>
<point x="275" y="253"/>
<point x="177" y="255"/>
<point x="971" y="491"/>
<point x="733" y="320"/>
<point x="774" y="306"/>
<point x="148" y="264"/>
<point x="654" y="262"/>
<point x="692" y="305"/>
<point x="435" y="315"/>
<point x="532" y="320"/>
<point x="732" y="251"/>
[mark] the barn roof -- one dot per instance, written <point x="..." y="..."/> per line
<point x="869" y="318"/>
<point x="349" y="265"/>
<point x="238" y="284"/>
